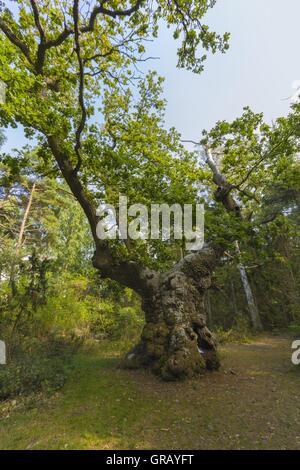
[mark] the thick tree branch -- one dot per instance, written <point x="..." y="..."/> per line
<point x="41" y="47"/>
<point x="82" y="121"/>
<point x="37" y="21"/>
<point x="129" y="273"/>
<point x="222" y="194"/>
<point x="59" y="39"/>
<point x="15" y="40"/>
<point x="112" y="13"/>
<point x="73" y="182"/>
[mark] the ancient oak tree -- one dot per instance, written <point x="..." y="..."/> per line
<point x="71" y="70"/>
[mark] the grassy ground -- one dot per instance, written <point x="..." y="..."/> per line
<point x="252" y="403"/>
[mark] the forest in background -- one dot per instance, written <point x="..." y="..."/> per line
<point x="53" y="301"/>
<point x="60" y="287"/>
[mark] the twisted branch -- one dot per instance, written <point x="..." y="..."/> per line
<point x="82" y="121"/>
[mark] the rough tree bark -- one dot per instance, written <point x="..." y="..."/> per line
<point x="175" y="342"/>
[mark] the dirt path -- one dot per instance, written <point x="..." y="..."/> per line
<point x="252" y="403"/>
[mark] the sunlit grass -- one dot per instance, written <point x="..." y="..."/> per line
<point x="250" y="403"/>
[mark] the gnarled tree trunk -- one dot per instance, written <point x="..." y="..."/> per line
<point x="176" y="342"/>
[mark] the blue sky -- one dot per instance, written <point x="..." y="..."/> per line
<point x="258" y="70"/>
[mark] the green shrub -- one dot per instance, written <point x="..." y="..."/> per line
<point x="240" y="332"/>
<point x="294" y="328"/>
<point x="114" y="322"/>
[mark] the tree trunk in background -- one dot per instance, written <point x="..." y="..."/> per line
<point x="20" y="238"/>
<point x="254" y="314"/>
<point x="25" y="218"/>
<point x="236" y="312"/>
<point x="176" y="342"/>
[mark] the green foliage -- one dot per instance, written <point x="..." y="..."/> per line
<point x="115" y="321"/>
<point x="261" y="165"/>
<point x="102" y="407"/>
<point x="127" y="150"/>
<point x="294" y="328"/>
<point x="240" y="332"/>
<point x="47" y="287"/>
<point x="56" y="301"/>
<point x="76" y="305"/>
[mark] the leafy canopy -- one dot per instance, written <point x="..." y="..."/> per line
<point x="72" y="76"/>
